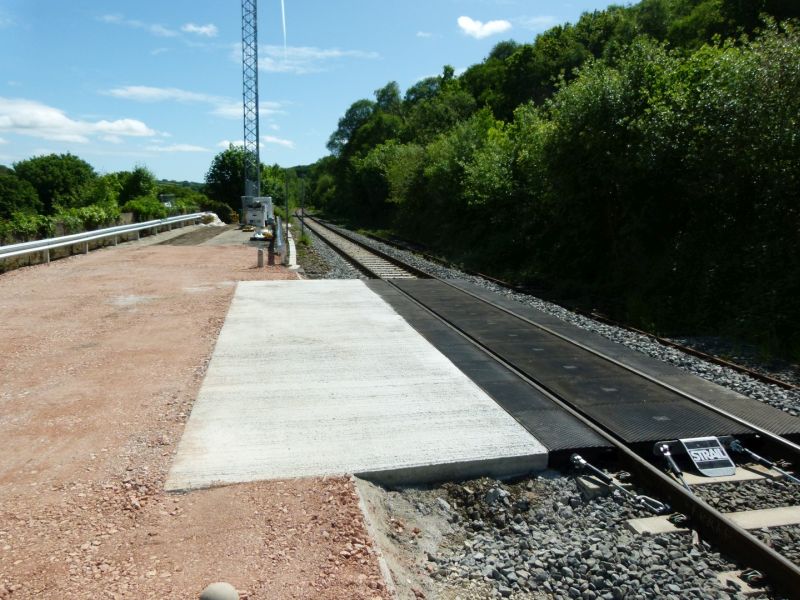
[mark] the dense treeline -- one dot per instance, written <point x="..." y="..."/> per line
<point x="61" y="194"/>
<point x="646" y="157"/>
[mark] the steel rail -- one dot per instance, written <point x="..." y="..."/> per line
<point x="25" y="248"/>
<point x="783" y="574"/>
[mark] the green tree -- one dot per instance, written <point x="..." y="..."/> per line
<point x="425" y="89"/>
<point x="485" y="81"/>
<point x="652" y="17"/>
<point x="388" y="98"/>
<point x="225" y="178"/>
<point x="432" y="116"/>
<point x="59" y="179"/>
<point x="358" y="114"/>
<point x="138" y="183"/>
<point x="17" y="195"/>
<point x="224" y="182"/>
<point x="535" y="69"/>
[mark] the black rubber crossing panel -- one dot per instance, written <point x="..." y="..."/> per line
<point x="554" y="428"/>
<point x="759" y="413"/>
<point x="635" y="409"/>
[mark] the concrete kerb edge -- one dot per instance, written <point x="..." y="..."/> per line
<point x="386" y="572"/>
<point x="292" y="255"/>
<point x="503" y="467"/>
<point x="169" y="487"/>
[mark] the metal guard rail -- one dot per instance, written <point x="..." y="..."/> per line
<point x="13" y="250"/>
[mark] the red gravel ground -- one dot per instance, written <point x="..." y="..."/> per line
<point x="101" y="358"/>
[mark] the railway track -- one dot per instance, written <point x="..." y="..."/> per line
<point x="593" y="314"/>
<point x="369" y="261"/>
<point x="642" y="409"/>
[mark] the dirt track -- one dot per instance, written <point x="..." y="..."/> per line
<point x="197" y="235"/>
<point x="101" y="357"/>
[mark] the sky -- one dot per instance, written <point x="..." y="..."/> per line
<point x="125" y="83"/>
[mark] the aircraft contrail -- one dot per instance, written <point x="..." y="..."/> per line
<point x="283" y="15"/>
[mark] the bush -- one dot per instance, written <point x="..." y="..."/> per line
<point x="25" y="227"/>
<point x="17" y="195"/>
<point x="86" y="218"/>
<point x="146" y="208"/>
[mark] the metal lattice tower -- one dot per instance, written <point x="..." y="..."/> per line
<point x="252" y="171"/>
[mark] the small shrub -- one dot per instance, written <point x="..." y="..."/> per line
<point x="145" y="208"/>
<point x="24" y="227"/>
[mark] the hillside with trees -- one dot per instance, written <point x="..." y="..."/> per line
<point x="644" y="159"/>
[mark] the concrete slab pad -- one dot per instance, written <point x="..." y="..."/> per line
<point x="312" y="378"/>
<point x="767" y="517"/>
<point x="653" y="525"/>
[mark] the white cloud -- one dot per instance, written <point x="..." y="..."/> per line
<point x="209" y="30"/>
<point x="227" y="108"/>
<point x="424" y="34"/>
<point x="2" y="141"/>
<point x="269" y="139"/>
<point x="233" y="109"/>
<point x="301" y="60"/>
<point x="177" y="148"/>
<point x="161" y="31"/>
<point x="539" y="23"/>
<point x="153" y="28"/>
<point x="230" y="110"/>
<point x="144" y="93"/>
<point x="28" y="117"/>
<point x="265" y="139"/>
<point x="112" y="139"/>
<point x="130" y="127"/>
<point x="480" y="30"/>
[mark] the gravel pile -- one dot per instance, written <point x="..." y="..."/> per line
<point x="786" y="400"/>
<point x="539" y="538"/>
<point x="750" y="495"/>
